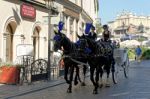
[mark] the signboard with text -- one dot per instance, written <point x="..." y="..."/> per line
<point x="28" y="11"/>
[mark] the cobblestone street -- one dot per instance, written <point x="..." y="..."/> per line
<point x="50" y="48"/>
<point x="135" y="87"/>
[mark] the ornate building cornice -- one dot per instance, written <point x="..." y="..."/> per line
<point x="69" y="5"/>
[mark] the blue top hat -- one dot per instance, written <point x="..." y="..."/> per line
<point x="88" y="27"/>
<point x="60" y="26"/>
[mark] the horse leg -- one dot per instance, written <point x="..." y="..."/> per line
<point x="96" y="81"/>
<point x="101" y="79"/>
<point x="108" y="72"/>
<point x="71" y="78"/>
<point x="84" y="74"/>
<point x="92" y="78"/>
<point x="66" y="74"/>
<point x="77" y="76"/>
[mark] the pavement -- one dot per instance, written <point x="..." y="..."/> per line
<point x="12" y="91"/>
<point x="56" y="89"/>
<point x="9" y="91"/>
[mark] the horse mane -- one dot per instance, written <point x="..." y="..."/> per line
<point x="92" y="44"/>
<point x="68" y="45"/>
<point x="97" y="47"/>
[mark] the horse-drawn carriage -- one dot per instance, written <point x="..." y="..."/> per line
<point x="98" y="55"/>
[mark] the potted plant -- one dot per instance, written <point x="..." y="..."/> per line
<point x="9" y="73"/>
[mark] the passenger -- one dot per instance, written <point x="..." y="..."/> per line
<point x="106" y="34"/>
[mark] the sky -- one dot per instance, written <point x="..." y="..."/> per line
<point x="108" y="9"/>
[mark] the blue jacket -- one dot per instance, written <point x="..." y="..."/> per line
<point x="138" y="51"/>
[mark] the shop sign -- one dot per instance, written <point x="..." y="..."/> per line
<point x="28" y="11"/>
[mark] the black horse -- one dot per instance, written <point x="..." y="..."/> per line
<point x="71" y="55"/>
<point x="100" y="57"/>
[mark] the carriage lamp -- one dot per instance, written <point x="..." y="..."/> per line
<point x="48" y="4"/>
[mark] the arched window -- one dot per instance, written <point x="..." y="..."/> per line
<point x="10" y="31"/>
<point x="36" y="42"/>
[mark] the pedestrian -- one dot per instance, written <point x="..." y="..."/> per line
<point x="138" y="53"/>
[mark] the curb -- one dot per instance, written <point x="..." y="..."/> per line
<point x="43" y="87"/>
<point x="46" y="86"/>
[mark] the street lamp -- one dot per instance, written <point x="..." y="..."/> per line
<point x="49" y="6"/>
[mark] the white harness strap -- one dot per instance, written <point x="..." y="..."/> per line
<point x="76" y="61"/>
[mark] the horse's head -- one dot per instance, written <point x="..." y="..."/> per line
<point x="82" y="44"/>
<point x="58" y="40"/>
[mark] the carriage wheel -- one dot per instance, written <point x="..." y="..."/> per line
<point x="126" y="68"/>
<point x="115" y="75"/>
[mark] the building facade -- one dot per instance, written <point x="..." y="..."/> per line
<point x="24" y="24"/>
<point x="129" y="23"/>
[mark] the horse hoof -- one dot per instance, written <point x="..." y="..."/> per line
<point x="76" y="82"/>
<point x="69" y="91"/>
<point x="95" y="92"/>
<point x="107" y="85"/>
<point x="101" y="85"/>
<point x="68" y="82"/>
<point x="83" y="84"/>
